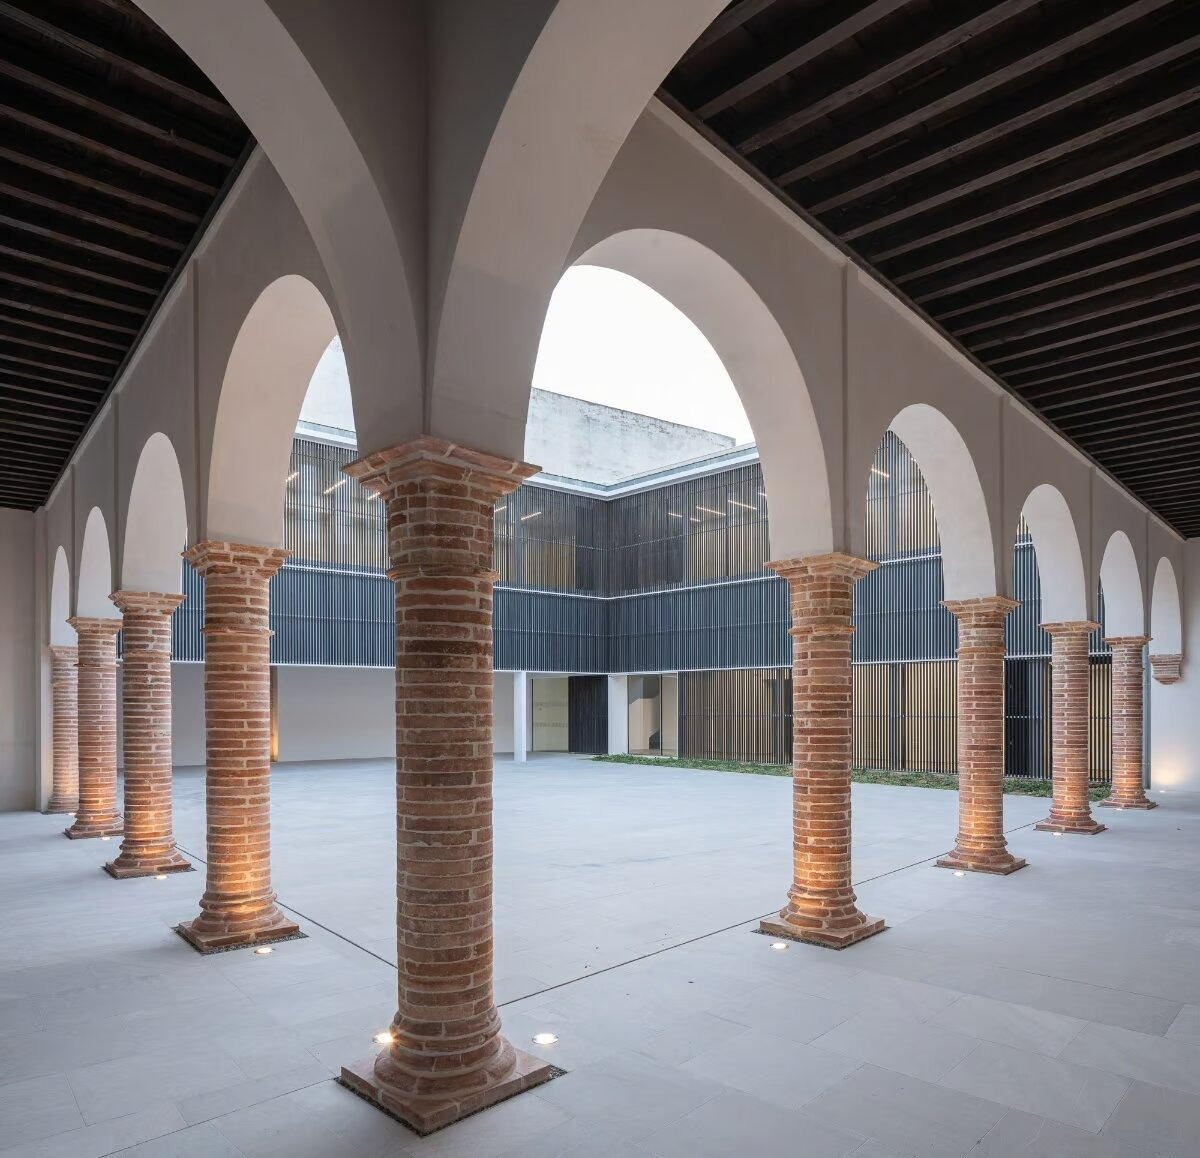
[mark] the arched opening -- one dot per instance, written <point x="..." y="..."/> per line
<point x="1166" y="620"/>
<point x="61" y="632"/>
<point x="95" y="570"/>
<point x="278" y="347"/>
<point x="1121" y="581"/>
<point x="156" y="524"/>
<point x="968" y="559"/>
<point x="1059" y="558"/>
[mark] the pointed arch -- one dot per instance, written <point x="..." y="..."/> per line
<point x="156" y="523"/>
<point x="270" y="366"/>
<point x="95" y="570"/>
<point x="61" y="632"/>
<point x="943" y="457"/>
<point x="1121" y="581"/>
<point x="760" y="361"/>
<point x="1166" y="617"/>
<point x="1059" y="555"/>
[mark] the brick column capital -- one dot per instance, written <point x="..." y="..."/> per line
<point x="984" y="607"/>
<point x="1166" y="669"/>
<point x="63" y="656"/>
<point x="214" y="557"/>
<point x="94" y="626"/>
<point x="145" y="603"/>
<point x="430" y="459"/>
<point x="1135" y="642"/>
<point x="1070" y="627"/>
<point x="821" y="590"/>
<point x="834" y="564"/>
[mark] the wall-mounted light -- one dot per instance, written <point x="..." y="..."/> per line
<point x="339" y="483"/>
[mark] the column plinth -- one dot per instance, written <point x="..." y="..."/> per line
<point x="980" y="846"/>
<point x="447" y="1057"/>
<point x="1127" y="673"/>
<point x="64" y="691"/>
<point x="149" y="845"/>
<point x="1070" y="811"/>
<point x="821" y="906"/>
<point x="97" y="813"/>
<point x="238" y="906"/>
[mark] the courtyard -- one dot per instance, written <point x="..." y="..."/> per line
<point x="1051" y="1014"/>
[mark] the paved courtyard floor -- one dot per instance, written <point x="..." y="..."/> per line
<point x="1051" y="1014"/>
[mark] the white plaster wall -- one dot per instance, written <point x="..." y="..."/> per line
<point x="335" y="713"/>
<point x="1174" y="720"/>
<point x="502" y="712"/>
<point x="18" y="671"/>
<point x="187" y="714"/>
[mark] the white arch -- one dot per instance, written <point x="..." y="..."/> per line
<point x="563" y="122"/>
<point x="95" y="570"/>
<point x="1059" y="555"/>
<point x="727" y="310"/>
<point x="270" y="366"/>
<point x="968" y="557"/>
<point x="279" y="67"/>
<point x="1124" y="610"/>
<point x="61" y="631"/>
<point x="1166" y="618"/>
<point x="156" y="528"/>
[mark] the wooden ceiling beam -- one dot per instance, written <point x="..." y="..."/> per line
<point x="1183" y="340"/>
<point x="16" y="322"/>
<point x="1086" y="398"/>
<point x="53" y="282"/>
<point x="729" y="21"/>
<point x="29" y="219"/>
<point x="30" y="250"/>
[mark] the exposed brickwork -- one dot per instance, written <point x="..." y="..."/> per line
<point x="97" y="813"/>
<point x="238" y="906"/>
<point x="448" y="1058"/>
<point x="981" y="846"/>
<point x="1069" y="810"/>
<point x="1167" y="669"/>
<point x="64" y="690"/>
<point x="821" y="904"/>
<point x="149" y="844"/>
<point x="1128" y="672"/>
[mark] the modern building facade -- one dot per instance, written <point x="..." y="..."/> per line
<point x="638" y="614"/>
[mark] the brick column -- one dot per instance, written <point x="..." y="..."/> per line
<point x="1166" y="669"/>
<point x="821" y="902"/>
<point x="981" y="846"/>
<point x="1069" y="810"/>
<point x="64" y="685"/>
<point x="238" y="906"/>
<point x="447" y="1057"/>
<point x="1128" y="672"/>
<point x="149" y="845"/>
<point x="97" y="813"/>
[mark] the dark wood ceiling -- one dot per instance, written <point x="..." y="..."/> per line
<point x="1027" y="173"/>
<point x="113" y="150"/>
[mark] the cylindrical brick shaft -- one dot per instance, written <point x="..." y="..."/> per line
<point x="149" y="845"/>
<point x="64" y="688"/>
<point x="1128" y="672"/>
<point x="238" y="906"/>
<point x="821" y="905"/>
<point x="980" y="846"/>
<point x="97" y="813"/>
<point x="1069" y="809"/>
<point x="447" y="1057"/>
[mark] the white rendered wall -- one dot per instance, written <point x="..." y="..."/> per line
<point x="502" y="712"/>
<point x="1174" y="720"/>
<point x="335" y="713"/>
<point x="618" y="715"/>
<point x="18" y="720"/>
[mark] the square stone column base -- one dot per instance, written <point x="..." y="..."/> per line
<point x="124" y="871"/>
<point x="425" y="1115"/>
<point x="1108" y="802"/>
<point x="996" y="868"/>
<point x="92" y="832"/>
<point x="279" y="930"/>
<point x="826" y="938"/>
<point x="1074" y="829"/>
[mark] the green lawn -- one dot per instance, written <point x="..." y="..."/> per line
<point x="1014" y="785"/>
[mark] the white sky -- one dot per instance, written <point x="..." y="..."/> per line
<point x="610" y="339"/>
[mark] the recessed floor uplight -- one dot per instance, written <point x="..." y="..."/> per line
<point x="384" y="1038"/>
<point x="779" y="945"/>
<point x="264" y="950"/>
<point x="160" y="876"/>
<point x="545" y="1038"/>
<point x="106" y="838"/>
<point x="959" y="873"/>
<point x="1058" y="834"/>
